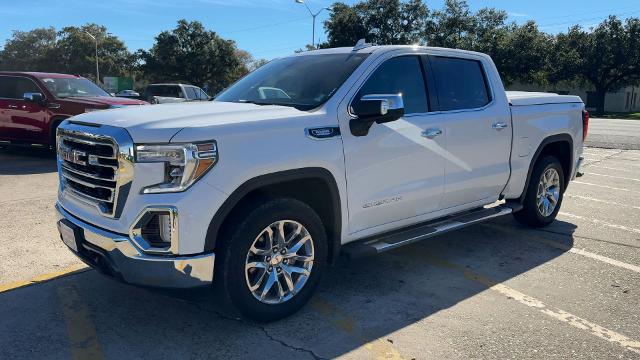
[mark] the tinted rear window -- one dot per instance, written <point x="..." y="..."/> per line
<point x="460" y="83"/>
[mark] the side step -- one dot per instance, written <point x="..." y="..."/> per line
<point x="395" y="239"/>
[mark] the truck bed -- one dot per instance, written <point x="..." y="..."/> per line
<point x="524" y="98"/>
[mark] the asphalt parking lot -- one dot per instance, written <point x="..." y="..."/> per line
<point x="493" y="290"/>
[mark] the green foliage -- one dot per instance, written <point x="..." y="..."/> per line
<point x="30" y="50"/>
<point x="192" y="54"/>
<point x="607" y="58"/>
<point x="69" y="50"/>
<point x="379" y="21"/>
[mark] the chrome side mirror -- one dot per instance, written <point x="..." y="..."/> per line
<point x="33" y="97"/>
<point x="378" y="108"/>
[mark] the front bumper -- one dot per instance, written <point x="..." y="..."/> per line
<point x="116" y="255"/>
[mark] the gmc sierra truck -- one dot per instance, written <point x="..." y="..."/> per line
<point x="346" y="151"/>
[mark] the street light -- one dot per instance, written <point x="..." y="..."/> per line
<point x="97" y="71"/>
<point x="313" y="34"/>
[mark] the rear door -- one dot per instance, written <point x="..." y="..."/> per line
<point x="477" y="126"/>
<point x="21" y="120"/>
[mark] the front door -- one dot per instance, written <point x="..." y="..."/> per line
<point x="394" y="172"/>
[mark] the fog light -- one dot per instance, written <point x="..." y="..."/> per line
<point x="156" y="231"/>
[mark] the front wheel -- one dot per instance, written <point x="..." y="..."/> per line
<point x="544" y="194"/>
<point x="273" y="259"/>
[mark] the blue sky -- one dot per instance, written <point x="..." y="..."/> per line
<point x="265" y="28"/>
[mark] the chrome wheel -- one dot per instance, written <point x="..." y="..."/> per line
<point x="279" y="262"/>
<point x="548" y="192"/>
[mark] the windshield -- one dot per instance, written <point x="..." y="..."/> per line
<point x="304" y="82"/>
<point x="73" y="87"/>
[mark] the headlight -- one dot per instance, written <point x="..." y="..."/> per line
<point x="184" y="163"/>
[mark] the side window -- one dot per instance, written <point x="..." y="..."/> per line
<point x="12" y="87"/>
<point x="400" y="75"/>
<point x="191" y="93"/>
<point x="460" y="83"/>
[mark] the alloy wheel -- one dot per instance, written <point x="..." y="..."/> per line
<point x="279" y="262"/>
<point x="548" y="192"/>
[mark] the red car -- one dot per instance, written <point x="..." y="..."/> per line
<point x="32" y="104"/>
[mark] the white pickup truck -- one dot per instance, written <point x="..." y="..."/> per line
<point x="349" y="151"/>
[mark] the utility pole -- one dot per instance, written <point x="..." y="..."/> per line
<point x="97" y="69"/>
<point x="313" y="15"/>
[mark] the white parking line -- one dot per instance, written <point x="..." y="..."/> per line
<point x="601" y="201"/>
<point x="568" y="248"/>
<point x="608" y="167"/>
<point x="600" y="222"/>
<point x="558" y="314"/>
<point x="611" y="176"/>
<point x="605" y="186"/>
<point x="573" y="320"/>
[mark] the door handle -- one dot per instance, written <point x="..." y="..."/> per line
<point x="431" y="133"/>
<point x="499" y="126"/>
<point x="12" y="106"/>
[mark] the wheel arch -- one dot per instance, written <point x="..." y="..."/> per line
<point x="560" y="146"/>
<point x="310" y="185"/>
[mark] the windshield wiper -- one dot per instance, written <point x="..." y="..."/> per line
<point x="303" y="107"/>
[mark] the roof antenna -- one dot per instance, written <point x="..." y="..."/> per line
<point x="361" y="44"/>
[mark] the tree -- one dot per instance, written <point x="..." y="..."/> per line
<point x="76" y="53"/>
<point x="193" y="54"/>
<point x="522" y="54"/>
<point x="607" y="58"/>
<point x="452" y="26"/>
<point x="383" y="22"/>
<point x="30" y="50"/>
<point x="70" y="51"/>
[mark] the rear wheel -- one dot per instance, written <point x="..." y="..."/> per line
<point x="544" y="194"/>
<point x="273" y="259"/>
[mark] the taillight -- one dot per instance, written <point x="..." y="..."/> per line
<point x="585" y="124"/>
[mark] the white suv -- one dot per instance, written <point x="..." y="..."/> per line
<point x="348" y="151"/>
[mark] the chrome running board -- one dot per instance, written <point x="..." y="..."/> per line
<point x="395" y="239"/>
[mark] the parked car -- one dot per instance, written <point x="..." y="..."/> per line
<point x="171" y="93"/>
<point x="127" y="93"/>
<point x="33" y="104"/>
<point x="351" y="151"/>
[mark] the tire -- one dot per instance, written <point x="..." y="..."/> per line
<point x="246" y="247"/>
<point x="540" y="216"/>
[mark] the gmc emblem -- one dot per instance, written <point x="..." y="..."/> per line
<point x="71" y="155"/>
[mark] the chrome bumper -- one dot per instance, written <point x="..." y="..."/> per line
<point x="116" y="255"/>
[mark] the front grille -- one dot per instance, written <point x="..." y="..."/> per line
<point x="89" y="168"/>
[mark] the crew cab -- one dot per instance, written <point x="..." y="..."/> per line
<point x="33" y="104"/>
<point x="337" y="152"/>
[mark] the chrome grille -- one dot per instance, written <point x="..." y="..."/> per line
<point x="90" y="165"/>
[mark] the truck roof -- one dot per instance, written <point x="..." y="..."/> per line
<point x="41" y="75"/>
<point x="385" y="48"/>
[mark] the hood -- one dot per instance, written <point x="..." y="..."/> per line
<point x="104" y="101"/>
<point x="159" y="123"/>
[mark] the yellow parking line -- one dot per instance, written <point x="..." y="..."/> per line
<point x="43" y="278"/>
<point x="379" y="348"/>
<point x="83" y="338"/>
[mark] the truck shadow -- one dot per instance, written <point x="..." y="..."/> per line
<point x="19" y="160"/>
<point x="359" y="305"/>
